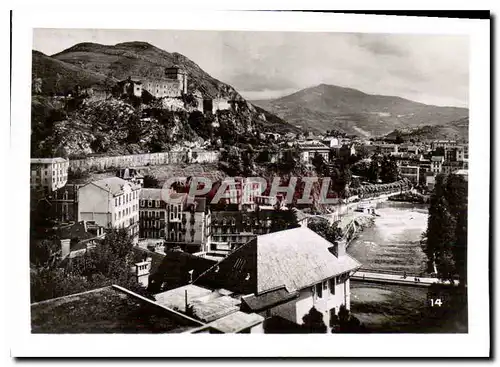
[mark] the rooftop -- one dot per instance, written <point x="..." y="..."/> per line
<point x="106" y="310"/>
<point x="293" y="259"/>
<point x="113" y="185"/>
<point x="236" y="322"/>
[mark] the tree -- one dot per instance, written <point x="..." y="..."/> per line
<point x="362" y="152"/>
<point x="445" y="241"/>
<point x="344" y="322"/>
<point x="109" y="263"/>
<point x="319" y="164"/>
<point x="388" y="170"/>
<point x="331" y="232"/>
<point x="231" y="161"/>
<point x="283" y="219"/>
<point x="151" y="182"/>
<point x="45" y="253"/>
<point x="313" y="322"/>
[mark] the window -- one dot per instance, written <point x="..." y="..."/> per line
<point x="319" y="290"/>
<point x="332" y="285"/>
<point x="149" y="203"/>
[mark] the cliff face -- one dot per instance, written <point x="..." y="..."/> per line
<point x="141" y="59"/>
<point x="79" y="126"/>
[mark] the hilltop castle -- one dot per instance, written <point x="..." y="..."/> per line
<point x="173" y="85"/>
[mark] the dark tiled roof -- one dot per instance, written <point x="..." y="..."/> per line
<point x="174" y="270"/>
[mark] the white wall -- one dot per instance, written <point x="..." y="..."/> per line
<point x="295" y="310"/>
<point x="94" y="204"/>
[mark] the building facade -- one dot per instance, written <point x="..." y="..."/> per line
<point x="152" y="214"/>
<point x="309" y="149"/>
<point x="411" y="172"/>
<point x="64" y="203"/>
<point x="48" y="174"/>
<point x="111" y="203"/>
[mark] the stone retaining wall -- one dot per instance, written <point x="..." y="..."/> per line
<point x="102" y="163"/>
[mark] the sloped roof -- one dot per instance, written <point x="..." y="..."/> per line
<point x="113" y="185"/>
<point x="150" y="194"/>
<point x="294" y="258"/>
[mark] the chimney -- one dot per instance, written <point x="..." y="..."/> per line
<point x="65" y="247"/>
<point x="142" y="270"/>
<point x="341" y="247"/>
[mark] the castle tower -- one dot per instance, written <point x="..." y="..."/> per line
<point x="175" y="72"/>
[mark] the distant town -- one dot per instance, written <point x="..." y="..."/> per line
<point x="227" y="232"/>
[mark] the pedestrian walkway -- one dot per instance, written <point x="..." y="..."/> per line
<point x="395" y="279"/>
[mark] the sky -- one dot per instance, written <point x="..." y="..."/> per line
<point x="432" y="69"/>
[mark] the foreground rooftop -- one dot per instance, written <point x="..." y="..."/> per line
<point x="106" y="310"/>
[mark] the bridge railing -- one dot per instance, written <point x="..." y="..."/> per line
<point x="394" y="272"/>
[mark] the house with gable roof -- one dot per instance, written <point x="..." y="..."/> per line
<point x="285" y="274"/>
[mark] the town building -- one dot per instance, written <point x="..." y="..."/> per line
<point x="430" y="180"/>
<point x="285" y="274"/>
<point x="330" y="141"/>
<point x="450" y="167"/>
<point x="79" y="237"/>
<point x="445" y="144"/>
<point x="179" y="222"/>
<point x="310" y="148"/>
<point x="437" y="164"/>
<point x="410" y="172"/>
<point x="152" y="214"/>
<point x="387" y="149"/>
<point x="131" y="175"/>
<point x="131" y="87"/>
<point x="48" y="174"/>
<point x="111" y="203"/>
<point x="64" y="203"/>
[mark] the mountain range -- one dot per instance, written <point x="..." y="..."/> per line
<point x="327" y="107"/>
<point x="315" y="109"/>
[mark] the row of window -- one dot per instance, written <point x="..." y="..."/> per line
<point x="152" y="214"/>
<point x="125" y="212"/>
<point x="126" y="198"/>
<point x="150" y="203"/>
<point x="151" y="224"/>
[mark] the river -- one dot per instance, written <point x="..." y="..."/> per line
<point x="393" y="244"/>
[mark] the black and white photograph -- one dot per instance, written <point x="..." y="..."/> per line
<point x="314" y="183"/>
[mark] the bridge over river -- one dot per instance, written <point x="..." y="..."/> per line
<point x="399" y="278"/>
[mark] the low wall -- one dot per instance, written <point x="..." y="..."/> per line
<point x="103" y="163"/>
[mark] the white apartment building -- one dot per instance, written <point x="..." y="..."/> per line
<point x="48" y="174"/>
<point x="437" y="164"/>
<point x="111" y="203"/>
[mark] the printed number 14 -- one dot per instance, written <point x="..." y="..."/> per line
<point x="436" y="302"/>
